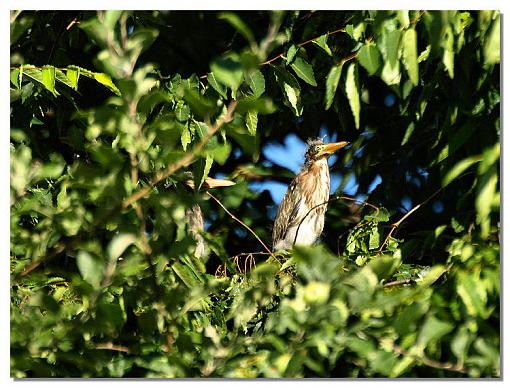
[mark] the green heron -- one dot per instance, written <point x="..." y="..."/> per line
<point x="300" y="217"/>
<point x="194" y="215"/>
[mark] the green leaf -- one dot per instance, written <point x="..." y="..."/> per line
<point x="486" y="193"/>
<point x="473" y="294"/>
<point x="432" y="330"/>
<point x="186" y="274"/>
<point x="430" y="275"/>
<point x="201" y="170"/>
<point x="391" y="75"/>
<point x="218" y="151"/>
<point x="119" y="244"/>
<point x="459" y="168"/>
<point x="185" y="135"/>
<point x="220" y="88"/>
<point x="104" y="79"/>
<point x="198" y="103"/>
<point x="15" y="78"/>
<point x="251" y="121"/>
<point x="291" y="54"/>
<point x="322" y="43"/>
<point x="491" y="47"/>
<point x="448" y="50"/>
<point x="410" y="53"/>
<point x="256" y="82"/>
<point x="332" y="83"/>
<point x="304" y="71"/>
<point x="48" y="79"/>
<point x="403" y="17"/>
<point x="369" y="57"/>
<point x="73" y="75"/>
<point x="460" y="343"/>
<point x="91" y="268"/>
<point x="62" y="78"/>
<point x="241" y="27"/>
<point x="182" y="111"/>
<point x="291" y="89"/>
<point x="352" y="91"/>
<point x="228" y="71"/>
<point x="392" y="46"/>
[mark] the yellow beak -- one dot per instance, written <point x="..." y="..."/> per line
<point x="211" y="183"/>
<point x="328" y="149"/>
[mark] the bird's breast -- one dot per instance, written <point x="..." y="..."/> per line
<point x="314" y="184"/>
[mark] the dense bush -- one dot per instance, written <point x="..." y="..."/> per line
<point x="109" y="109"/>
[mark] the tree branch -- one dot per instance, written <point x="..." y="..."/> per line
<point x="399" y="222"/>
<point x="185" y="161"/>
<point x="429" y="362"/>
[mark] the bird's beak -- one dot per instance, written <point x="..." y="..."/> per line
<point x="328" y="149"/>
<point x="212" y="183"/>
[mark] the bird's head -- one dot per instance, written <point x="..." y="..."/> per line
<point x="316" y="149"/>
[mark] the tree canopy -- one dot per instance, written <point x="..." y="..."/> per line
<point x="111" y="109"/>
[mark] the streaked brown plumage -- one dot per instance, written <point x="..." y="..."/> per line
<point x="195" y="217"/>
<point x="294" y="222"/>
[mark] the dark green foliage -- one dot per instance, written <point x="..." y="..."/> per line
<point x="104" y="281"/>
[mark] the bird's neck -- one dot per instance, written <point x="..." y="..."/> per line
<point x="315" y="180"/>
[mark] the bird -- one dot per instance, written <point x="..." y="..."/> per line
<point x="194" y="215"/>
<point x="300" y="216"/>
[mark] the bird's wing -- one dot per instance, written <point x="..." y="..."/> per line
<point x="288" y="212"/>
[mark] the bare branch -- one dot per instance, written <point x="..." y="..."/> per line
<point x="398" y="283"/>
<point x="399" y="222"/>
<point x="111" y="346"/>
<point x="429" y="362"/>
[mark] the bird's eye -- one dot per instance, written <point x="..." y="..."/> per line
<point x="316" y="149"/>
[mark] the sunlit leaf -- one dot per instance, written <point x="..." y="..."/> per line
<point x="352" y="91"/>
<point x="291" y="54"/>
<point x="119" y="244"/>
<point x="459" y="168"/>
<point x="322" y="43"/>
<point x="369" y="58"/>
<point x="304" y="70"/>
<point x="106" y="80"/>
<point x="410" y="54"/>
<point x="491" y="48"/>
<point x="73" y="75"/>
<point x="251" y="121"/>
<point x="332" y="83"/>
<point x="228" y="71"/>
<point x="256" y="82"/>
<point x="48" y="79"/>
<point x="220" y="88"/>
<point x="90" y="267"/>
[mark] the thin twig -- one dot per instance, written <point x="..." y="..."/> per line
<point x="429" y="362"/>
<point x="244" y="225"/>
<point x="301" y="45"/>
<point x="395" y="225"/>
<point x="111" y="346"/>
<point x="185" y="161"/>
<point x="398" y="283"/>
